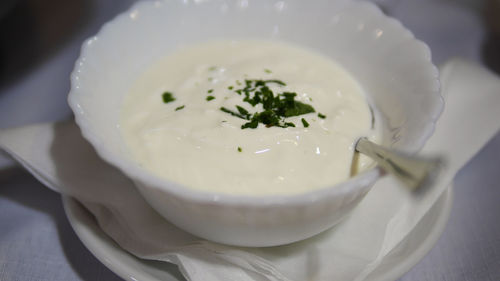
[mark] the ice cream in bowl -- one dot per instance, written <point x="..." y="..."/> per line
<point x="237" y="120"/>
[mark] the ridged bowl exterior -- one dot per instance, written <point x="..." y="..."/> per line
<point x="392" y="66"/>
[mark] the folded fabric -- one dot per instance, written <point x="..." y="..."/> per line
<point x="61" y="159"/>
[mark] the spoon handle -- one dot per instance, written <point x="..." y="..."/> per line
<point x="414" y="171"/>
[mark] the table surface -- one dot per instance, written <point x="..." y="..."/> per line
<point x="40" y="40"/>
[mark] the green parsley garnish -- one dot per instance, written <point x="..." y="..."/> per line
<point x="276" y="107"/>
<point x="210" y="91"/>
<point x="212" y="68"/>
<point x="209" y="98"/>
<point x="239" y="149"/>
<point x="279" y="82"/>
<point x="304" y="122"/>
<point x="223" y="109"/>
<point x="243" y="112"/>
<point x="322" y="116"/>
<point x="267" y="71"/>
<point x="230" y="87"/>
<point x="167" y="97"/>
<point x="179" y="107"/>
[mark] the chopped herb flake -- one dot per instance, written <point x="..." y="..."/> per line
<point x="209" y="98"/>
<point x="279" y="82"/>
<point x="212" y="68"/>
<point x="243" y="112"/>
<point x="276" y="107"/>
<point x="167" y="97"/>
<point x="304" y="122"/>
<point x="223" y="109"/>
<point x="267" y="71"/>
<point x="179" y="107"/>
<point x="322" y="116"/>
<point x="210" y="91"/>
<point x="230" y="87"/>
<point x="252" y="124"/>
<point x="239" y="149"/>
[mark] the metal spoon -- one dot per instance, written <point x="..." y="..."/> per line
<point x="418" y="173"/>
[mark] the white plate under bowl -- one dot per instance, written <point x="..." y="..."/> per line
<point x="398" y="262"/>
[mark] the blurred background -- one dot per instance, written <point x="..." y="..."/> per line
<point x="41" y="39"/>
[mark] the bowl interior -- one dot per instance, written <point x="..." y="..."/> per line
<point x="393" y="68"/>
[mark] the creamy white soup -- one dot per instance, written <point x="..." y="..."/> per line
<point x="247" y="118"/>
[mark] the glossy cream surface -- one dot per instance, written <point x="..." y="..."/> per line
<point x="202" y="147"/>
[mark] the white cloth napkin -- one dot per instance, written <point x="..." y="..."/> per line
<point x="61" y="159"/>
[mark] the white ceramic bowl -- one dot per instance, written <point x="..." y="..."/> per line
<point x="393" y="67"/>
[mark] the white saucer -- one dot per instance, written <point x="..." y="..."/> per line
<point x="398" y="262"/>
